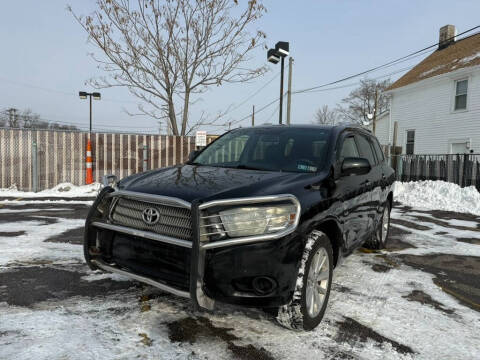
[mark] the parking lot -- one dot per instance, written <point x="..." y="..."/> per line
<point x="420" y="298"/>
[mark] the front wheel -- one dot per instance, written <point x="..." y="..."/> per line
<point x="312" y="289"/>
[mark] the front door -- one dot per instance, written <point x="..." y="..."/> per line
<point x="355" y="193"/>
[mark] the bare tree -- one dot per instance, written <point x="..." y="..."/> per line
<point x="166" y="51"/>
<point x="3" y="118"/>
<point x="368" y="98"/>
<point x="29" y="118"/>
<point x="56" y="126"/>
<point x="13" y="118"/>
<point x="325" y="116"/>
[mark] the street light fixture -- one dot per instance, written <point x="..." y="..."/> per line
<point x="95" y="96"/>
<point x="274" y="56"/>
<point x="282" y="48"/>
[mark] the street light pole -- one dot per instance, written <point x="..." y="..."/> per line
<point x="281" y="93"/>
<point x="88" y="158"/>
<point x="90" y="114"/>
<point x="274" y="56"/>
<point x="95" y="96"/>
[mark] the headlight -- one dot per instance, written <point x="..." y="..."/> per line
<point x="248" y="221"/>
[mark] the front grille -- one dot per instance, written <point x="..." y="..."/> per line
<point x="174" y="221"/>
<point x="165" y="263"/>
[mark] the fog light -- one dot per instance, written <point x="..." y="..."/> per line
<point x="263" y="285"/>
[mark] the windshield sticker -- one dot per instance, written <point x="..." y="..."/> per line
<point x="304" y="167"/>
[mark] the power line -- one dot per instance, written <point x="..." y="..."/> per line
<point x="357" y="82"/>
<point x="82" y="125"/>
<point x="251" y="96"/>
<point x="390" y="63"/>
<point x="59" y="91"/>
<point x="273" y="113"/>
<point x="320" y="90"/>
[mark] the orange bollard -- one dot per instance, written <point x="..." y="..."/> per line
<point x="89" y="175"/>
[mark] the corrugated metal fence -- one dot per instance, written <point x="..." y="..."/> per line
<point x="60" y="155"/>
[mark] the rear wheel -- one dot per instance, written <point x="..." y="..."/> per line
<point x="380" y="238"/>
<point x="312" y="289"/>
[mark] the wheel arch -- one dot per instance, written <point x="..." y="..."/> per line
<point x="331" y="227"/>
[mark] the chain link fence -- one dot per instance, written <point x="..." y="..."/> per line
<point x="34" y="160"/>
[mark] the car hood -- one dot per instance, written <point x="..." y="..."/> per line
<point x="190" y="182"/>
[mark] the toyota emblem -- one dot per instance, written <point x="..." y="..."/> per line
<point x="150" y="216"/>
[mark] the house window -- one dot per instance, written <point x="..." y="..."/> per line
<point x="461" y="87"/>
<point x="410" y="142"/>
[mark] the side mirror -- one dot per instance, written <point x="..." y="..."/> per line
<point x="355" y="166"/>
<point x="193" y="154"/>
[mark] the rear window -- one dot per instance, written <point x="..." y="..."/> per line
<point x="378" y="150"/>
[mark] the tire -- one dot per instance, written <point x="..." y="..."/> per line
<point x="300" y="314"/>
<point x="380" y="237"/>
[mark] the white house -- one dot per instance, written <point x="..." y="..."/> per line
<point x="436" y="105"/>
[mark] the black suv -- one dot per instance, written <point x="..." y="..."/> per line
<point x="260" y="217"/>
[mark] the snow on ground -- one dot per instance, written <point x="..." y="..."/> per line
<point x="370" y="314"/>
<point x="31" y="245"/>
<point x="61" y="190"/>
<point x="438" y="195"/>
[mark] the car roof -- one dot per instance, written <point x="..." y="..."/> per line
<point x="336" y="128"/>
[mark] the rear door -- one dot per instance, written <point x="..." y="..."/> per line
<point x="373" y="179"/>
<point x="386" y="173"/>
<point x="353" y="191"/>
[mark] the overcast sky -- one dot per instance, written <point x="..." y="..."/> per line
<point x="44" y="61"/>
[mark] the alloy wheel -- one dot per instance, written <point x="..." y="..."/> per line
<point x="317" y="282"/>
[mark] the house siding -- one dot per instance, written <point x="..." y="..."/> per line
<point x="427" y="108"/>
<point x="381" y="129"/>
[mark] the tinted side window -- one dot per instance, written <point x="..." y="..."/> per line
<point x="366" y="150"/>
<point x="349" y="148"/>
<point x="378" y="150"/>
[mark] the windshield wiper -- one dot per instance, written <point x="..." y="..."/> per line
<point x="250" y="168"/>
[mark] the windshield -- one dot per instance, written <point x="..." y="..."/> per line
<point x="271" y="149"/>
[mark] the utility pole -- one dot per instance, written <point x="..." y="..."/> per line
<point x="253" y="116"/>
<point x="12" y="118"/>
<point x="375" y="109"/>
<point x="289" y="93"/>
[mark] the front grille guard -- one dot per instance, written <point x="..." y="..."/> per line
<point x="198" y="247"/>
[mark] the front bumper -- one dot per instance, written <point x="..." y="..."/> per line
<point x="220" y="270"/>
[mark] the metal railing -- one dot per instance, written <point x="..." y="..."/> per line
<point x="461" y="169"/>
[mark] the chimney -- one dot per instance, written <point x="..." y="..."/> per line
<point x="447" y="36"/>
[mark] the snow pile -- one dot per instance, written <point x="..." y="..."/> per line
<point x="61" y="190"/>
<point x="439" y="195"/>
